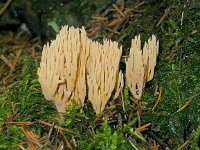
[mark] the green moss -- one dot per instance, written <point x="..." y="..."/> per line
<point x="195" y="140"/>
<point x="29" y="104"/>
<point x="106" y="138"/>
<point x="178" y="73"/>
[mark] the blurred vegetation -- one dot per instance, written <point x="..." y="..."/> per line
<point x="176" y="24"/>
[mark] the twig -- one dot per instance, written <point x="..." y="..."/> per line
<point x="183" y="145"/>
<point x="56" y="127"/>
<point x="5" y="7"/>
<point x="49" y="134"/>
<point x="50" y="131"/>
<point x="117" y="9"/>
<point x="66" y="140"/>
<point x="163" y="17"/>
<point x="158" y="100"/>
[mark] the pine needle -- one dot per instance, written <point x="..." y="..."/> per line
<point x="158" y="100"/>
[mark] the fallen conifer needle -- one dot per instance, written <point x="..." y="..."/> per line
<point x="144" y="127"/>
<point x="184" y="106"/>
<point x="158" y="100"/>
<point x="155" y="147"/>
<point x="19" y="123"/>
<point x="156" y="90"/>
<point x="5" y="60"/>
<point x="183" y="145"/>
<point x="3" y="104"/>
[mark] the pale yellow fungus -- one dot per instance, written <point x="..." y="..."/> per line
<point x="62" y="67"/>
<point x="102" y="69"/>
<point x="140" y="65"/>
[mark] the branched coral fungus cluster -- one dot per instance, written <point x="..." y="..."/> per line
<point x="73" y="61"/>
<point x="102" y="68"/>
<point x="140" y="65"/>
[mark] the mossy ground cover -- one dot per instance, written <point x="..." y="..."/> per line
<point x="28" y="120"/>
